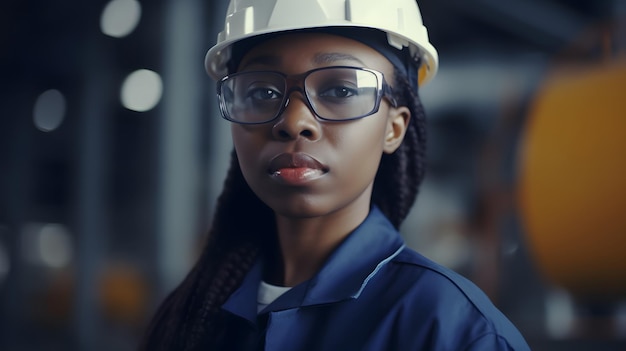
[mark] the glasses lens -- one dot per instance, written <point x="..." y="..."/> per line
<point x="334" y="93"/>
<point x="252" y="97"/>
<point x="342" y="93"/>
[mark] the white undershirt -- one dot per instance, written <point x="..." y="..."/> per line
<point x="268" y="293"/>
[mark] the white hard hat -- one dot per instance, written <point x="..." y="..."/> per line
<point x="400" y="19"/>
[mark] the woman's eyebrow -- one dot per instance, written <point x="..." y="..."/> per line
<point x="266" y="60"/>
<point x="320" y="59"/>
<point x="330" y="57"/>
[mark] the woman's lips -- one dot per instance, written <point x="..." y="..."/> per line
<point x="296" y="168"/>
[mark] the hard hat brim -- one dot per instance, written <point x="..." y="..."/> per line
<point x="217" y="57"/>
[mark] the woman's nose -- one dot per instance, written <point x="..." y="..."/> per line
<point x="297" y="120"/>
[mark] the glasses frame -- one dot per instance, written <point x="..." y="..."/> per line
<point x="384" y="90"/>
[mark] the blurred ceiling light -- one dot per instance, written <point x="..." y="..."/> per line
<point x="141" y="90"/>
<point x="55" y="245"/>
<point x="49" y="110"/>
<point x="559" y="314"/>
<point x="120" y="17"/>
<point x="47" y="244"/>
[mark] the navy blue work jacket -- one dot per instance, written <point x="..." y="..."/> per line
<point x="374" y="294"/>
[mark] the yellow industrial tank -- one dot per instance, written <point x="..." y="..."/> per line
<point x="572" y="180"/>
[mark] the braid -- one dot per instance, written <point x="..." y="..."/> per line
<point x="190" y="315"/>
<point x="400" y="174"/>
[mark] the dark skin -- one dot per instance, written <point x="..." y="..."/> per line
<point x="315" y="208"/>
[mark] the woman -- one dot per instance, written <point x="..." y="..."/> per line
<point x="329" y="136"/>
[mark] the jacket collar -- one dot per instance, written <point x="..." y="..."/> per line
<point x="344" y="275"/>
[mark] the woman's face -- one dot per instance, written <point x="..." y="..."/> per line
<point x="302" y="166"/>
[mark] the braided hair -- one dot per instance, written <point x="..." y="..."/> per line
<point x="400" y="173"/>
<point x="190" y="318"/>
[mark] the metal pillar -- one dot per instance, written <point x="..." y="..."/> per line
<point x="179" y="137"/>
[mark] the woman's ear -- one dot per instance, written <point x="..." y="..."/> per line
<point x="397" y="124"/>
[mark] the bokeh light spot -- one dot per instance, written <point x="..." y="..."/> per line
<point x="47" y="244"/>
<point x="120" y="17"/>
<point x="49" y="110"/>
<point x="141" y="90"/>
<point x="55" y="245"/>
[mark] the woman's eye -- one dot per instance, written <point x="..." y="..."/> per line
<point x="339" y="92"/>
<point x="263" y="94"/>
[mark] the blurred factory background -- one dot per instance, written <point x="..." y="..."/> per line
<point x="112" y="153"/>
